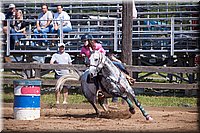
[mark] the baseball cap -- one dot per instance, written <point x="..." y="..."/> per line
<point x="61" y="44"/>
<point x="11" y="6"/>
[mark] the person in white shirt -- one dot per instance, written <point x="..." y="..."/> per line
<point x="58" y="16"/>
<point x="134" y="10"/>
<point x="2" y="19"/>
<point x="61" y="58"/>
<point x="44" y="23"/>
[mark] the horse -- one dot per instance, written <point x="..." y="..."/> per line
<point x="112" y="82"/>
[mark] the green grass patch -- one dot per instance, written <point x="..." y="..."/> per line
<point x="8" y="97"/>
<point x="160" y="101"/>
<point x="72" y="99"/>
<point x="155" y="101"/>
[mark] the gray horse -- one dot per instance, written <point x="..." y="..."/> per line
<point x="112" y="83"/>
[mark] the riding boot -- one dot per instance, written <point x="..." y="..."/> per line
<point x="99" y="92"/>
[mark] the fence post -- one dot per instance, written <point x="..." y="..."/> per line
<point x="8" y="38"/>
<point x="37" y="73"/>
<point x="61" y="31"/>
<point x="172" y="36"/>
<point x="127" y="25"/>
<point x="115" y="34"/>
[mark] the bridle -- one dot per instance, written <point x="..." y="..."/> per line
<point x="100" y="61"/>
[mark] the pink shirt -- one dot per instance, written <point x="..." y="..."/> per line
<point x="86" y="50"/>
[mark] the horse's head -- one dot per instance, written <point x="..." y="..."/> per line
<point x="97" y="61"/>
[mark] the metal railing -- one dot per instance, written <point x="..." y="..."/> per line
<point x="109" y="30"/>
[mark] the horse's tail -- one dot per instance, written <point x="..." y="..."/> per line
<point x="61" y="81"/>
<point x="79" y="73"/>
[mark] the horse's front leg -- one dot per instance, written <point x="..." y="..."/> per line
<point x="130" y="104"/>
<point x="95" y="108"/>
<point x="137" y="103"/>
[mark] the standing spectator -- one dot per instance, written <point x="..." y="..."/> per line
<point x="44" y="23"/>
<point x="58" y="16"/>
<point x="10" y="15"/>
<point x="61" y="58"/>
<point x="19" y="29"/>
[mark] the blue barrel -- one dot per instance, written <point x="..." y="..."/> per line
<point x="26" y="99"/>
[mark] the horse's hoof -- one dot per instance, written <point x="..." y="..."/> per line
<point x="132" y="110"/>
<point x="98" y="114"/>
<point x="149" y="118"/>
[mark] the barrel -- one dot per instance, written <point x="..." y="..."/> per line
<point x="26" y="99"/>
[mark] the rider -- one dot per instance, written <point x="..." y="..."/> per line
<point x="89" y="46"/>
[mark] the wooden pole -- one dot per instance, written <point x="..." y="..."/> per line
<point x="127" y="22"/>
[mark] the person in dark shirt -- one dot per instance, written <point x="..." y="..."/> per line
<point x="19" y="28"/>
<point x="10" y="15"/>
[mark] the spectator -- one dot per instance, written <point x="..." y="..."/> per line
<point x="2" y="19"/>
<point x="61" y="58"/>
<point x="19" y="29"/>
<point x="44" y="23"/>
<point x="10" y="15"/>
<point x="58" y="16"/>
<point x="134" y="10"/>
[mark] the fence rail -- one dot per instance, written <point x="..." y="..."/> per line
<point x="38" y="68"/>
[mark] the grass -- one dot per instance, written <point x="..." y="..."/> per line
<point x="160" y="101"/>
<point x="155" y="101"/>
<point x="72" y="99"/>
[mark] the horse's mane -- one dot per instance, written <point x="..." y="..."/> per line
<point x="109" y="64"/>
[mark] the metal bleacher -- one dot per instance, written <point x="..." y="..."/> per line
<point x="161" y="27"/>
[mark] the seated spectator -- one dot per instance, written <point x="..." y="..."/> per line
<point x="44" y="23"/>
<point x="10" y="15"/>
<point x="2" y="19"/>
<point x="58" y="16"/>
<point x="19" y="28"/>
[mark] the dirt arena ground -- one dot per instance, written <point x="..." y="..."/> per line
<point x="81" y="118"/>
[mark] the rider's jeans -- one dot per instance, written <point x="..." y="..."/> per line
<point x="120" y="66"/>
